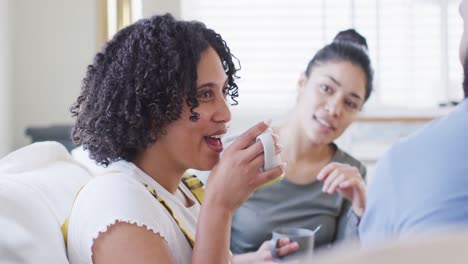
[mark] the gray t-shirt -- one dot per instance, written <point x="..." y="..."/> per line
<point x="286" y="204"/>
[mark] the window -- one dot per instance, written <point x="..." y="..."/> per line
<point x="413" y="45"/>
<point x="114" y="15"/>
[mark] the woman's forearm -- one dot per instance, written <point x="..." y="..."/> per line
<point x="213" y="235"/>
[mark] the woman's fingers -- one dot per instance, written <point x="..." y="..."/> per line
<point x="329" y="179"/>
<point x="266" y="176"/>
<point x="249" y="136"/>
<point x="258" y="161"/>
<point x="348" y="183"/>
<point x="287" y="249"/>
<point x="353" y="189"/>
<point x="278" y="147"/>
<point x="253" y="151"/>
<point x="256" y="148"/>
<point x="335" y="175"/>
<point x="325" y="171"/>
<point x="334" y="184"/>
<point x="258" y="157"/>
<point x="283" y="242"/>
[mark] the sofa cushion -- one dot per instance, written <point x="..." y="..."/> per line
<point x="38" y="184"/>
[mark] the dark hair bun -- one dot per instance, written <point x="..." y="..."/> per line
<point x="351" y="36"/>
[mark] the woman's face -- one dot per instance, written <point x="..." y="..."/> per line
<point x="197" y="144"/>
<point x="330" y="99"/>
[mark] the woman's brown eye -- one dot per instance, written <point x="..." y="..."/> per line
<point x="205" y="94"/>
<point x="325" y="88"/>
<point x="351" y="104"/>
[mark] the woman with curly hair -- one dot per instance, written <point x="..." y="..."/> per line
<point x="153" y="104"/>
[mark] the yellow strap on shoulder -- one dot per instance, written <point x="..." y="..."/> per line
<point x="64" y="226"/>
<point x="190" y="239"/>
<point x="190" y="181"/>
<point x="195" y="186"/>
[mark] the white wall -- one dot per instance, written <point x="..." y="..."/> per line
<point x="5" y="77"/>
<point x="53" y="41"/>
<point x="45" y="47"/>
<point x="152" y="7"/>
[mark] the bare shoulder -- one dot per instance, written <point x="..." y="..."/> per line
<point x="123" y="242"/>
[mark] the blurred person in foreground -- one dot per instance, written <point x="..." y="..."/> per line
<point x="421" y="183"/>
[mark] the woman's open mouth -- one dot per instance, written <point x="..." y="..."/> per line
<point x="324" y="125"/>
<point x="214" y="142"/>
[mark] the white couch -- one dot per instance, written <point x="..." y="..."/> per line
<point x="38" y="184"/>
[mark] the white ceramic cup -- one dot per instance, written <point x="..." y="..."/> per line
<point x="270" y="159"/>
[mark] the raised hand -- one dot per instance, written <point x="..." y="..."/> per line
<point x="237" y="173"/>
<point x="347" y="180"/>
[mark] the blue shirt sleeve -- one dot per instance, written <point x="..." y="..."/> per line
<point x="378" y="220"/>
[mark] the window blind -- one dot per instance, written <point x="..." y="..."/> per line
<point x="413" y="45"/>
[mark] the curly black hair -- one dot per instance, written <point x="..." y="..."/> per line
<point x="137" y="85"/>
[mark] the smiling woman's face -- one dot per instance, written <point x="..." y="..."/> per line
<point x="197" y="144"/>
<point x="330" y="99"/>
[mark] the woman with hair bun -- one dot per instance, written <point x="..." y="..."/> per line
<point x="323" y="185"/>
